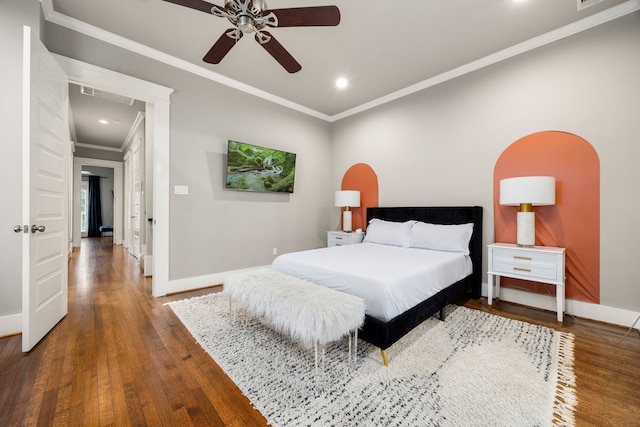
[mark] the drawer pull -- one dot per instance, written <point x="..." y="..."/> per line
<point x="522" y="269"/>
<point x="522" y="257"/>
<point x="338" y="238"/>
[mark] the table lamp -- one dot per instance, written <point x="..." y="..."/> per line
<point x="347" y="199"/>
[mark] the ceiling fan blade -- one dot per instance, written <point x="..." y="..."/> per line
<point x="279" y="53"/>
<point x="200" y="5"/>
<point x="315" y="16"/>
<point x="222" y="46"/>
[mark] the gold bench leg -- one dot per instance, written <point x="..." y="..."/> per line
<point x="384" y="357"/>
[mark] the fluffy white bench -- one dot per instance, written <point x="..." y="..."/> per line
<point x="310" y="313"/>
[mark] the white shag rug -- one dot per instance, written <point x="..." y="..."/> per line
<point x="473" y="369"/>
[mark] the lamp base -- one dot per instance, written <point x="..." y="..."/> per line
<point x="526" y="229"/>
<point x="346" y="221"/>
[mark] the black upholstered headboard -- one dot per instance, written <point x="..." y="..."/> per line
<point x="442" y="215"/>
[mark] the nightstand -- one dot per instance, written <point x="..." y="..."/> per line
<point x="537" y="263"/>
<point x="341" y="238"/>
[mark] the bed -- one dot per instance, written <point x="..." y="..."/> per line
<point x="390" y="316"/>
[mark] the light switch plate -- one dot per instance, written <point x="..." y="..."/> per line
<point x="181" y="189"/>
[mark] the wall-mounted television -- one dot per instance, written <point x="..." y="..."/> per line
<point x="254" y="168"/>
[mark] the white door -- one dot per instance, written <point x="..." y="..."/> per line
<point x="136" y="204"/>
<point x="127" y="201"/>
<point x="45" y="175"/>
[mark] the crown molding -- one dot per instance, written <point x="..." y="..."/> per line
<point x="98" y="147"/>
<point x="82" y="27"/>
<point x="139" y="120"/>
<point x="600" y="18"/>
<point x="536" y="42"/>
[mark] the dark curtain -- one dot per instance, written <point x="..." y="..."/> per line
<point x="95" y="208"/>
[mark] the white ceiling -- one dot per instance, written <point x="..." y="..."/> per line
<point x="384" y="48"/>
<point x="117" y="114"/>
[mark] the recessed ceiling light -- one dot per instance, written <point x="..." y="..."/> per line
<point x="342" y="83"/>
<point x="103" y="121"/>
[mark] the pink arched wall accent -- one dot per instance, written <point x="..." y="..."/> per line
<point x="573" y="222"/>
<point x="361" y="177"/>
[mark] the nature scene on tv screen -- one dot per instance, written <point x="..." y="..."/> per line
<point x="254" y="168"/>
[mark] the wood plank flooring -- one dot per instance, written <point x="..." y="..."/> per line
<point x="120" y="357"/>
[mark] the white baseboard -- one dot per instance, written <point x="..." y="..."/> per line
<point x="10" y="325"/>
<point x="191" y="283"/>
<point x="147" y="265"/>
<point x="586" y="310"/>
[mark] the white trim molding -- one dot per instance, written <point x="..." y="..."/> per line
<point x="11" y="324"/>
<point x="585" y="310"/>
<point x="98" y="147"/>
<point x="191" y="283"/>
<point x="536" y="42"/>
<point x="139" y="120"/>
<point x="157" y="115"/>
<point x="118" y="197"/>
<point x="51" y="15"/>
<point x="605" y="16"/>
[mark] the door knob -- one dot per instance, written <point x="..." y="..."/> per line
<point x="35" y="228"/>
<point x="19" y="228"/>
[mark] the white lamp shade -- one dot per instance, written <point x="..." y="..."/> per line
<point x="346" y="198"/>
<point x="537" y="190"/>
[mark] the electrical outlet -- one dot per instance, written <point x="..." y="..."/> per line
<point x="275" y="251"/>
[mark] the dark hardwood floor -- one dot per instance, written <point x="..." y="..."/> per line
<point x="120" y="357"/>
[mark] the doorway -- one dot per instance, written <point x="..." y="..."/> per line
<point x="97" y="165"/>
<point x="157" y="99"/>
<point x="100" y="225"/>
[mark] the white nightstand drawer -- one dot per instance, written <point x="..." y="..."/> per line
<point x="335" y="240"/>
<point x="526" y="263"/>
<point x="341" y="238"/>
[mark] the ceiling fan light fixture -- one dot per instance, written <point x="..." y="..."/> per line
<point x="253" y="16"/>
<point x="245" y="23"/>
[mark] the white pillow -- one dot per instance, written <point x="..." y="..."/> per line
<point x="389" y="233"/>
<point x="438" y="237"/>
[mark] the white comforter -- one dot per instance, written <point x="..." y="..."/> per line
<point x="390" y="279"/>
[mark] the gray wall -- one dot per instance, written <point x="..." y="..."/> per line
<point x="214" y="230"/>
<point x="440" y="146"/>
<point x="13" y="15"/>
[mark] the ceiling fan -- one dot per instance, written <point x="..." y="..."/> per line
<point x="252" y="16"/>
